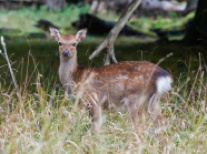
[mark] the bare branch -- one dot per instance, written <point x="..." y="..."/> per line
<point x="10" y="68"/>
<point x="110" y="39"/>
<point x="2" y="54"/>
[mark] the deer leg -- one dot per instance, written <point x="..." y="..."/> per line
<point x="68" y="93"/>
<point x="134" y="114"/>
<point x="153" y="108"/>
<point x="135" y="106"/>
<point x="95" y="113"/>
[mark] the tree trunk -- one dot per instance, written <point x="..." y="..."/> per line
<point x="197" y="30"/>
<point x="110" y="39"/>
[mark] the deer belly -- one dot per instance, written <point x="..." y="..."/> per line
<point x="111" y="96"/>
<point x="113" y="102"/>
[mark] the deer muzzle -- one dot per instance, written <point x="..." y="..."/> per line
<point x="66" y="53"/>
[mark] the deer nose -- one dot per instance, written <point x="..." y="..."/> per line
<point x="66" y="52"/>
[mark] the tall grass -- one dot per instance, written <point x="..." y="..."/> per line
<point x="48" y="123"/>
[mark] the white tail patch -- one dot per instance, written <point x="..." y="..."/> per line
<point x="163" y="84"/>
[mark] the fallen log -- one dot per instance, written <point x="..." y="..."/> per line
<point x="97" y="26"/>
<point x="44" y="25"/>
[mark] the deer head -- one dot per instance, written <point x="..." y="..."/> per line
<point x="67" y="42"/>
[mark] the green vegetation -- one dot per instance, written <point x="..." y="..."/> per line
<point x="164" y="23"/>
<point x="23" y="21"/>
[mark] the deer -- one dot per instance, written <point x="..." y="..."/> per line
<point x="127" y="85"/>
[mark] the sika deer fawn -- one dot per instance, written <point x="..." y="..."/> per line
<point x="131" y="85"/>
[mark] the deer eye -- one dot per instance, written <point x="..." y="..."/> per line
<point x="59" y="43"/>
<point x="74" y="44"/>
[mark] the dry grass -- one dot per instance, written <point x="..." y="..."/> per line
<point x="48" y="123"/>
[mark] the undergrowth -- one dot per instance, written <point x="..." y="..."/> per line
<point x="43" y="121"/>
<point x="25" y="19"/>
<point x="21" y="22"/>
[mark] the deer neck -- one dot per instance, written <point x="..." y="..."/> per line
<point x="67" y="70"/>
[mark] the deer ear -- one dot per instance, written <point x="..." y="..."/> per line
<point x="55" y="34"/>
<point x="81" y="34"/>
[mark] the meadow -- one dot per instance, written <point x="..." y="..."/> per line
<point x="43" y="121"/>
